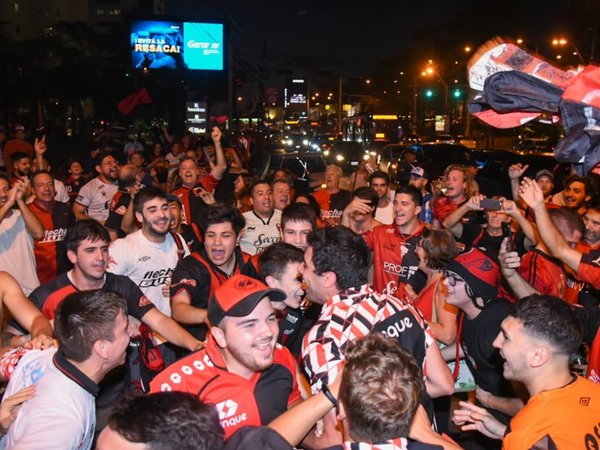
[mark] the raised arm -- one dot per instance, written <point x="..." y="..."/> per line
<point x="515" y="172"/>
<point x="219" y="169"/>
<point x="452" y="222"/>
<point x="509" y="263"/>
<point x="533" y="196"/>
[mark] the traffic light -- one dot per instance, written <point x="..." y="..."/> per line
<point x="457" y="93"/>
<point x="429" y="93"/>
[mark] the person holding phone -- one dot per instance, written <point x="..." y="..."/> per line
<point x="487" y="237"/>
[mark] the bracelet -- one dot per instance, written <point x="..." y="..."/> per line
<point x="325" y="390"/>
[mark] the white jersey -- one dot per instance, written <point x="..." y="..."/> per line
<point x="16" y="251"/>
<point x="61" y="415"/>
<point x="62" y="195"/>
<point x="385" y="215"/>
<point x="96" y="196"/>
<point x="148" y="264"/>
<point x="258" y="234"/>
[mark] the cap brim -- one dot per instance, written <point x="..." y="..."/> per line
<point x="244" y="307"/>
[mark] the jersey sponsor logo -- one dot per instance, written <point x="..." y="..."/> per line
<point x="291" y="319"/>
<point x="264" y="240"/>
<point x="144" y="258"/>
<point x="399" y="269"/>
<point x="155" y="278"/>
<point x="398" y="327"/>
<point x="331" y="214"/>
<point x="56" y="235"/>
<point x="250" y="228"/>
<point x="227" y="414"/>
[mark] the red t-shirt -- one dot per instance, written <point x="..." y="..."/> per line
<point x="192" y="203"/>
<point x="544" y="273"/>
<point x="241" y="402"/>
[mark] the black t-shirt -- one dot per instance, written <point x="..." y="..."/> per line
<point x="483" y="359"/>
<point x="474" y="235"/>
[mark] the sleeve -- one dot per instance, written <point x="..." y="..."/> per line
<point x="590" y="273"/>
<point x="321" y="356"/>
<point x="85" y="195"/>
<point x="189" y="277"/>
<point x="118" y="208"/>
<point x="137" y="302"/>
<point x="61" y="192"/>
<point x="210" y="183"/>
<point x="535" y="275"/>
<point x="370" y="238"/>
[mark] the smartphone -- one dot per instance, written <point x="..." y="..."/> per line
<point x="507" y="233"/>
<point x="490" y="204"/>
<point x="39" y="133"/>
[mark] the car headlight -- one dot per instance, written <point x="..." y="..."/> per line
<point x="325" y="152"/>
<point x="305" y="142"/>
<point x="315" y="146"/>
<point x="340" y="157"/>
<point x="373" y="153"/>
<point x="290" y="142"/>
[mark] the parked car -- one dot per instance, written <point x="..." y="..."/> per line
<point x="309" y="168"/>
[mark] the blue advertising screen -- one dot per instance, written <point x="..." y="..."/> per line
<point x="183" y="45"/>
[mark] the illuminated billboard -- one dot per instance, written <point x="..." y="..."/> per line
<point x="176" y="45"/>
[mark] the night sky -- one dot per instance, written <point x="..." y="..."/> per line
<point x="354" y="37"/>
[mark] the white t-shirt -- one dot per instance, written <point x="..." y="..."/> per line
<point x="96" y="196"/>
<point x="148" y="264"/>
<point x="61" y="191"/>
<point x="16" y="251"/>
<point x="172" y="159"/>
<point x="61" y="415"/>
<point x="258" y="234"/>
<point x="385" y="215"/>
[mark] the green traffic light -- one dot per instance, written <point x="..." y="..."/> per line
<point x="457" y="93"/>
<point x="428" y="93"/>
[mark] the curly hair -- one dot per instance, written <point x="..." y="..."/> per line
<point x="440" y="248"/>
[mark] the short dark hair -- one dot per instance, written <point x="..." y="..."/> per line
<point x="298" y="212"/>
<point x="584" y="180"/>
<point x="220" y="213"/>
<point x="283" y="180"/>
<point x="257" y="183"/>
<point x="168" y="421"/>
<point x="380" y="389"/>
<point x="440" y="248"/>
<point x="368" y="193"/>
<point x="416" y="195"/>
<point x="188" y="158"/>
<point x="342" y="251"/>
<point x="85" y="317"/>
<point x="85" y="229"/>
<point x="19" y="155"/>
<point x="274" y="260"/>
<point x="40" y="172"/>
<point x="145" y="195"/>
<point x="379" y="174"/>
<point x="101" y="157"/>
<point x="565" y="219"/>
<point x="551" y="320"/>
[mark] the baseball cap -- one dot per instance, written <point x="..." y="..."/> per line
<point x="418" y="172"/>
<point x="173" y="198"/>
<point x="544" y="173"/>
<point x="238" y="297"/>
<point x="479" y="271"/>
<point x="19" y="127"/>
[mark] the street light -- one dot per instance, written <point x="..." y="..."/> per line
<point x="431" y="71"/>
<point x="561" y="42"/>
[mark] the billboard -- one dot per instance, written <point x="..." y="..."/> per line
<point x="196" y="117"/>
<point x="157" y="44"/>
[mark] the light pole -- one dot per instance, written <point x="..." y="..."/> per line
<point x="431" y="71"/>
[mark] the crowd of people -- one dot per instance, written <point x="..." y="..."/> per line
<point x="176" y="300"/>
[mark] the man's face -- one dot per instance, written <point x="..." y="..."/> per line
<point x="176" y="149"/>
<point x="380" y="186"/>
<point x="495" y="219"/>
<point x="455" y="184"/>
<point x="220" y="241"/>
<point x="290" y="282"/>
<point x="118" y="345"/>
<point x="22" y="167"/>
<point x="281" y="195"/>
<point x="155" y="217"/>
<point x="405" y="210"/>
<point x="418" y="182"/>
<point x="43" y="187"/>
<point x="546" y="185"/>
<point x="295" y="233"/>
<point x="249" y="342"/>
<point x="575" y="195"/>
<point x="262" y="199"/>
<point x="4" y="188"/>
<point x="361" y="217"/>
<point x="514" y="344"/>
<point x="91" y="258"/>
<point x="591" y="219"/>
<point x="332" y="178"/>
<point x="20" y="134"/>
<point x="175" y="210"/>
<point x="109" y="168"/>
<point x="188" y="171"/>
<point x="315" y="291"/>
<point x="137" y="160"/>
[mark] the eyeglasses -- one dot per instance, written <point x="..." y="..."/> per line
<point x="452" y="277"/>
